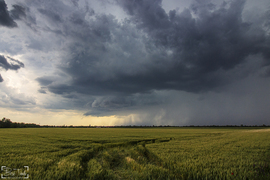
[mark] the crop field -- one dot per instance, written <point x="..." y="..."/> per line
<point x="135" y="153"/>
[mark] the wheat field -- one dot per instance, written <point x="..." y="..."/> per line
<point x="135" y="153"/>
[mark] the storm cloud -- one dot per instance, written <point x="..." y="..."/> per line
<point x="5" y="19"/>
<point x="190" y="51"/>
<point x="142" y="58"/>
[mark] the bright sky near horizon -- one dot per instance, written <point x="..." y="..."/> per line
<point x="135" y="62"/>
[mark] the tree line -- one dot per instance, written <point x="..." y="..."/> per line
<point x="7" y="123"/>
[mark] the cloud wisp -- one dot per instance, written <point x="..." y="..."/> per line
<point x="14" y="65"/>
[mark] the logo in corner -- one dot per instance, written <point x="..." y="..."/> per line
<point x="14" y="173"/>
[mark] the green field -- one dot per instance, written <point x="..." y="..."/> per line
<point x="137" y="153"/>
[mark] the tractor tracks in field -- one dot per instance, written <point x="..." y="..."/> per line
<point x="108" y="144"/>
<point x="82" y="155"/>
<point x="121" y="146"/>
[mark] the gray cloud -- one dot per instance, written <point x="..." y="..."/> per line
<point x="44" y="81"/>
<point x="75" y="2"/>
<point x="42" y="91"/>
<point x="18" y="12"/>
<point x="197" y="50"/>
<point x="5" y="19"/>
<point x="141" y="63"/>
<point x="179" y="51"/>
<point x="108" y="105"/>
<point x="111" y="105"/>
<point x="51" y="15"/>
<point x="14" y="65"/>
<point x="147" y="14"/>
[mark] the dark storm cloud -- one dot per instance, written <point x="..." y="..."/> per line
<point x="195" y="50"/>
<point x="217" y="38"/>
<point x="5" y="19"/>
<point x="147" y="14"/>
<point x="182" y="52"/>
<point x="14" y="65"/>
<point x="110" y="104"/>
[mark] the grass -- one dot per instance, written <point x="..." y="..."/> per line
<point x="146" y="153"/>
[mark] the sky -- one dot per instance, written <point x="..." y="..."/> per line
<point x="135" y="62"/>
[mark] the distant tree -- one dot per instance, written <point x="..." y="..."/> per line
<point x="6" y="123"/>
<point x="14" y="125"/>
